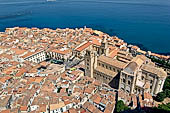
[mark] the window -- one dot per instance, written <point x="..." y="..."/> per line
<point x="122" y="88"/>
<point x="102" y="65"/>
<point x="127" y="91"/>
<point x="99" y="64"/>
<point x="88" y="64"/>
<point x="128" y="82"/>
<point x="102" y="50"/>
<point x="87" y="67"/>
<point x="110" y="68"/>
<point x="142" y="77"/>
<point x="151" y="81"/>
<point x="151" y="87"/>
<point x="138" y="90"/>
<point x="61" y="109"/>
<point x="106" y="67"/>
<point x="123" y="80"/>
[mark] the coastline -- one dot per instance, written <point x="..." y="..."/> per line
<point x="132" y="23"/>
<point x="112" y="32"/>
<point x="142" y="46"/>
<point x="106" y="31"/>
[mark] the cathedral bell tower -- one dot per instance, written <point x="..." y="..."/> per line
<point x="104" y="47"/>
<point x="90" y="62"/>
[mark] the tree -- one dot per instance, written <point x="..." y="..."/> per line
<point x="160" y="96"/>
<point x="167" y="92"/>
<point x="120" y="106"/>
<point x="161" y="62"/>
<point x="167" y="83"/>
<point x="165" y="107"/>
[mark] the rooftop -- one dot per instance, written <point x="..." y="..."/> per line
<point x="154" y="70"/>
<point x="112" y="62"/>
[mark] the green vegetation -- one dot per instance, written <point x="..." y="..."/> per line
<point x="72" y="69"/>
<point x="162" y="63"/>
<point x="165" y="107"/>
<point x="160" y="96"/>
<point x="120" y="106"/>
<point x="167" y="83"/>
<point x="162" y="108"/>
<point x="166" y="91"/>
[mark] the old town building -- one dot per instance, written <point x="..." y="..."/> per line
<point x="124" y="72"/>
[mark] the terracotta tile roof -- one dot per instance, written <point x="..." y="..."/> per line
<point x="84" y="46"/>
<point x="66" y="112"/>
<point x="67" y="102"/>
<point x="104" y="101"/>
<point x="4" y="79"/>
<point x="107" y="111"/>
<point x="42" y="108"/>
<point x="38" y="79"/>
<point x="113" y="53"/>
<point x="86" y="104"/>
<point x="135" y="47"/>
<point x="18" y="51"/>
<point x="31" y="53"/>
<point x="95" y="42"/>
<point x="88" y="90"/>
<point x="97" y="83"/>
<point x="97" y="111"/>
<point x="20" y="72"/>
<point x="141" y="51"/>
<point x="6" y="56"/>
<point x="156" y="55"/>
<point x="147" y="96"/>
<point x="118" y="44"/>
<point x="27" y="54"/>
<point x="63" y="52"/>
<point x="91" y="108"/>
<point x="23" y="108"/>
<point x="82" y="110"/>
<point x="97" y="99"/>
<point x="5" y="111"/>
<point x="56" y="106"/>
<point x="72" y="110"/>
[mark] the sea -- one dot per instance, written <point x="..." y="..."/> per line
<point x="145" y="23"/>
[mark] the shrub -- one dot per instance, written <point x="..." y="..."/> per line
<point x="165" y="107"/>
<point x="120" y="106"/>
<point x="160" y="96"/>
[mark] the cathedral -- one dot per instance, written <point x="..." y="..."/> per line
<point x="132" y="74"/>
